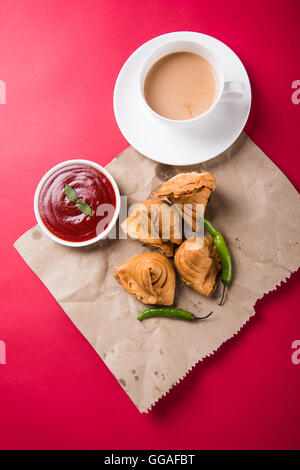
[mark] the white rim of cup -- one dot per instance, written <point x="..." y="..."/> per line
<point x="86" y="242"/>
<point x="142" y="82"/>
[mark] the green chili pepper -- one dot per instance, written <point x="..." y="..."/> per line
<point x="170" y="312"/>
<point x="224" y="254"/>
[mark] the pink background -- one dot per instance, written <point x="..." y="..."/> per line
<point x="60" y="60"/>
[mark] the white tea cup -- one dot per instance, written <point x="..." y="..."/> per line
<point x="226" y="91"/>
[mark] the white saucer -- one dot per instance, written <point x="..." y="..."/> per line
<point x="213" y="135"/>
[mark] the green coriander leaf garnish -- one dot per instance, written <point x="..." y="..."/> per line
<point x="81" y="205"/>
<point x="84" y="207"/>
<point x="71" y="193"/>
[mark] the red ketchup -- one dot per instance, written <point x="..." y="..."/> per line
<point x="61" y="216"/>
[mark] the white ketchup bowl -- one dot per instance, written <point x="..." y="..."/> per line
<point x="98" y="237"/>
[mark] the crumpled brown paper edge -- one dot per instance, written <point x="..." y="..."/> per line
<point x="273" y="289"/>
<point x="276" y="285"/>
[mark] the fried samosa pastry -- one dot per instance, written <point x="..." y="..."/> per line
<point x="156" y="224"/>
<point x="186" y="190"/>
<point x="198" y="264"/>
<point x="149" y="277"/>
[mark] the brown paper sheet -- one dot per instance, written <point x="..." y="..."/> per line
<point x="257" y="209"/>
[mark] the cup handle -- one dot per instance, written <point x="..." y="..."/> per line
<point x="232" y="91"/>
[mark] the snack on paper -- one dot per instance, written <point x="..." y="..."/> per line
<point x="149" y="358"/>
<point x="156" y="224"/>
<point x="149" y="277"/>
<point x="187" y="190"/>
<point x="198" y="263"/>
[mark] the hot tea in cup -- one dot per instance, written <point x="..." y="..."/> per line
<point x="181" y="85"/>
<point x="182" y="82"/>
